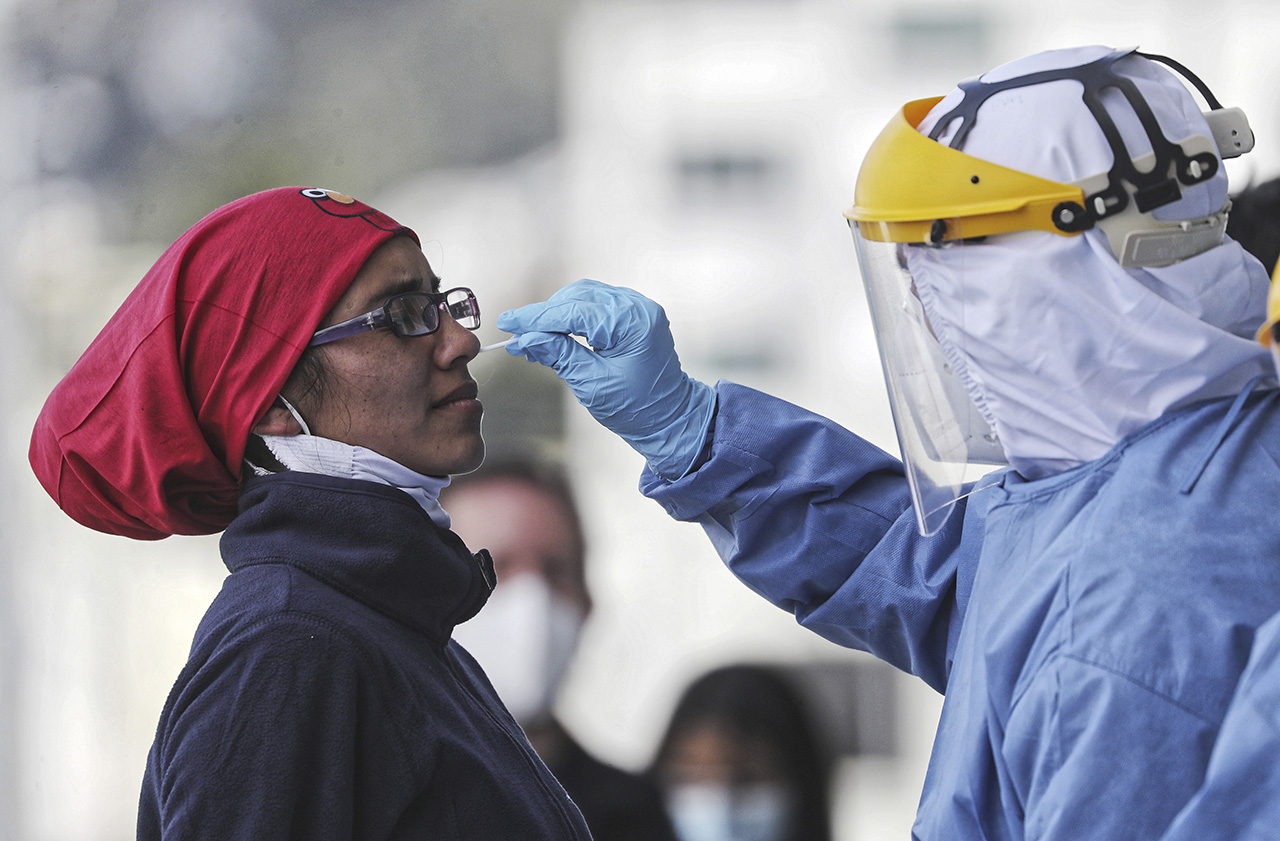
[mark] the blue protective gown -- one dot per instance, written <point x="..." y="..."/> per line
<point x="1240" y="798"/>
<point x="1088" y="629"/>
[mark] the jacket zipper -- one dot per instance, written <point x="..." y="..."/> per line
<point x="536" y="765"/>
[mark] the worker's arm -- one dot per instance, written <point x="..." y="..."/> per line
<point x="802" y="510"/>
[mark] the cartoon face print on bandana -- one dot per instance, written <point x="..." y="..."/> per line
<point x="336" y="204"/>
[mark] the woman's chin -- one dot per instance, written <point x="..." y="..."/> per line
<point x="466" y="459"/>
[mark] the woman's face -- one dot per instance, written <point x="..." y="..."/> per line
<point x="720" y="786"/>
<point x="409" y="399"/>
<point x="707" y="754"/>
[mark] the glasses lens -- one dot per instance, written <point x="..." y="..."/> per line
<point x="413" y="314"/>
<point x="463" y="306"/>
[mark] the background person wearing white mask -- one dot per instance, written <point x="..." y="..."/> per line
<point x="526" y="517"/>
<point x="1051" y="287"/>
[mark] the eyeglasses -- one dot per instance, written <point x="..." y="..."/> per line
<point x="409" y="314"/>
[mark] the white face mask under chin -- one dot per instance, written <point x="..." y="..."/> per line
<point x="313" y="454"/>
<point x="710" y="812"/>
<point x="524" y="639"/>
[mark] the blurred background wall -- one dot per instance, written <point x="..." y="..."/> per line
<point x="699" y="151"/>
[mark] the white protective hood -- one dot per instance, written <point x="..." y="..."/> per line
<point x="1063" y="351"/>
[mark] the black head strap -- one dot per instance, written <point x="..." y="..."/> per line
<point x="1150" y="188"/>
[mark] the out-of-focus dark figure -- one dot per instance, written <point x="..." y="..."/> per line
<point x="526" y="636"/>
<point x="1255" y="221"/>
<point x="741" y="761"/>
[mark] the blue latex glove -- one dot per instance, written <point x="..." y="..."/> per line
<point x="632" y="381"/>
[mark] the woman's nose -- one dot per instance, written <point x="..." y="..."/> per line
<point x="457" y="344"/>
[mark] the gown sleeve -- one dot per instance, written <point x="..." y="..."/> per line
<point x="819" y="522"/>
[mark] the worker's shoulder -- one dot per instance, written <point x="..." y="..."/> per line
<point x="1236" y="436"/>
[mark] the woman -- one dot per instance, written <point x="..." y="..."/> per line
<point x="740" y="761"/>
<point x="290" y="372"/>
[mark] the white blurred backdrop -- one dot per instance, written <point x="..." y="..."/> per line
<point x="701" y="151"/>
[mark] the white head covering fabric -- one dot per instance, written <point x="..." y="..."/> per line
<point x="1063" y="351"/>
<point x="314" y="454"/>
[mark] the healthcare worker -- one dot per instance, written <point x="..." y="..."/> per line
<point x="1051" y="287"/>
<point x="1240" y="798"/>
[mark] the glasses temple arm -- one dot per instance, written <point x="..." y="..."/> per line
<point x="350" y="327"/>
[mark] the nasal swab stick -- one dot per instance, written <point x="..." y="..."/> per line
<point x="498" y="345"/>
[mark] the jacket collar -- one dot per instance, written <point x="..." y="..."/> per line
<point x="370" y="541"/>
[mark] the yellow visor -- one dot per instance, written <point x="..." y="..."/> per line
<point x="909" y="182"/>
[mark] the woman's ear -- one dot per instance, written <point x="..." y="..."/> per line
<point x="278" y="421"/>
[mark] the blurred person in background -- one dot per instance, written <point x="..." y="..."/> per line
<point x="290" y="373"/>
<point x="741" y="761"/>
<point x="525" y="516"/>
<point x="1255" y="221"/>
<point x="1054" y="296"/>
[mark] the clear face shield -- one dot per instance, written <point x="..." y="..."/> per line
<point x="922" y="191"/>
<point x="946" y="444"/>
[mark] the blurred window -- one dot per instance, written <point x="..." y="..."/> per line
<point x="941" y="36"/>
<point x="726" y="178"/>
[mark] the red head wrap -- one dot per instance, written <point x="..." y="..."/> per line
<point x="144" y="436"/>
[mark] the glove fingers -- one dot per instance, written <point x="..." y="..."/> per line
<point x="555" y="350"/>
<point x="608" y="317"/>
<point x="545" y="316"/>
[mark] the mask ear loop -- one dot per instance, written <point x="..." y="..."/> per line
<point x="306" y="430"/>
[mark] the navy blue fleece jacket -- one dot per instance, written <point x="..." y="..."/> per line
<point x="324" y="699"/>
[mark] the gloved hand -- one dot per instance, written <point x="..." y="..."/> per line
<point x="632" y="381"/>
